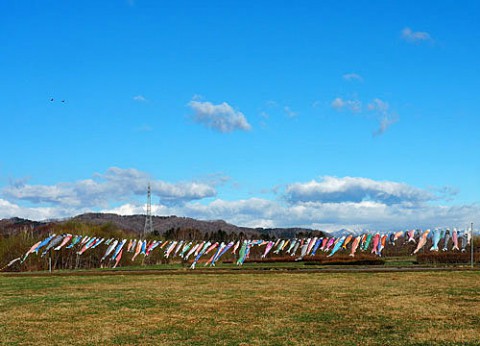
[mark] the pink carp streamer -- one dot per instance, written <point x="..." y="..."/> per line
<point x="268" y="248"/>
<point x="32" y="249"/>
<point x="411" y="236"/>
<point x="355" y="244"/>
<point x="64" y="242"/>
<point x="137" y="250"/>
<point x="422" y="241"/>
<point x="455" y="240"/>
<point x="117" y="259"/>
<point x="376" y="239"/>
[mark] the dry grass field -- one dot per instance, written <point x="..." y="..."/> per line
<point x="242" y="309"/>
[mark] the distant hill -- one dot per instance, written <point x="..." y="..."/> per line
<point x="16" y="224"/>
<point x="346" y="232"/>
<point x="161" y="225"/>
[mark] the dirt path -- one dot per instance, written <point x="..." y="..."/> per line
<point x="220" y="271"/>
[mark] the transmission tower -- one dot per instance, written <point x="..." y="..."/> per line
<point x="148" y="218"/>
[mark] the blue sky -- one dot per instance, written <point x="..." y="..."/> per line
<point x="306" y="113"/>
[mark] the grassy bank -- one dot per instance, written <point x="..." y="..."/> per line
<point x="275" y="309"/>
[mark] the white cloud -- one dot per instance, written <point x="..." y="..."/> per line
<point x="222" y="117"/>
<point x="257" y="212"/>
<point x="355" y="189"/>
<point x="139" y="98"/>
<point x="351" y="105"/>
<point x="415" y="36"/>
<point x="8" y="210"/>
<point x="133" y="209"/>
<point x="329" y="203"/>
<point x="115" y="184"/>
<point x="330" y="216"/>
<point x="290" y="113"/>
<point x="352" y="77"/>
<point x="246" y="212"/>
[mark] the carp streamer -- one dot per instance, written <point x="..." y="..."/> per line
<point x="116" y="249"/>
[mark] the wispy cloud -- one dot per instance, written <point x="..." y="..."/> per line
<point x="415" y="36"/>
<point x="447" y="192"/>
<point x="144" y="128"/>
<point x="378" y="108"/>
<point x="139" y="98"/>
<point x="289" y="112"/>
<point x="272" y="108"/>
<point x="352" y="77"/>
<point x="385" y="123"/>
<point x="338" y="103"/>
<point x="221" y="117"/>
<point x="264" y="115"/>
<point x="378" y="105"/>
<point x="351" y="105"/>
<point x="271" y="104"/>
<point x="386" y="117"/>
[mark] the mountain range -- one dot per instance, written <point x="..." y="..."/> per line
<point x="161" y="225"/>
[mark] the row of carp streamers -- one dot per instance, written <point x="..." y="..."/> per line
<point x="299" y="247"/>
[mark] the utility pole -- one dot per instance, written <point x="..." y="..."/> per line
<point x="472" y="258"/>
<point x="148" y="218"/>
